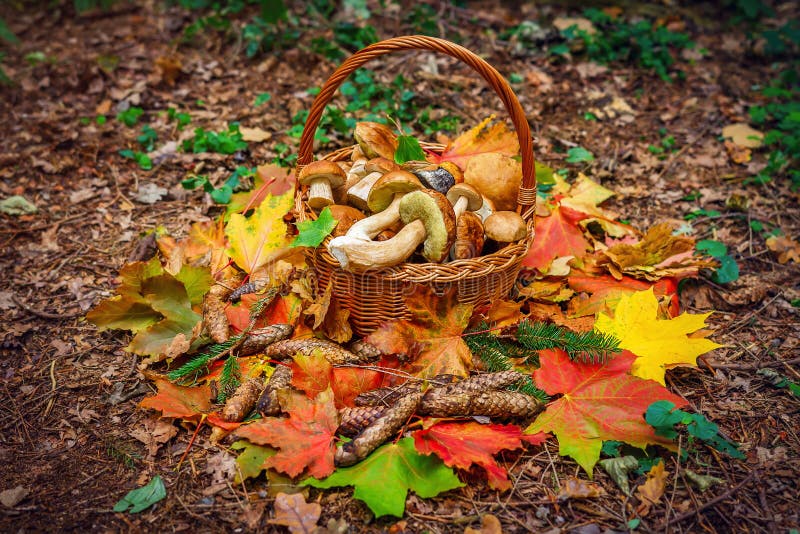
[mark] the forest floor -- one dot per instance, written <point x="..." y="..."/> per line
<point x="72" y="440"/>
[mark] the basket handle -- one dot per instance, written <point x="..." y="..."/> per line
<point x="526" y="197"/>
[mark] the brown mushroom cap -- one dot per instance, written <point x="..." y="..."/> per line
<point x="347" y="217"/>
<point x="381" y="165"/>
<point x="496" y="176"/>
<point x="469" y="237"/>
<point x="375" y="139"/>
<point x="436" y="214"/>
<point x="387" y="186"/>
<point x="505" y="227"/>
<point x="474" y="198"/>
<point x="327" y="170"/>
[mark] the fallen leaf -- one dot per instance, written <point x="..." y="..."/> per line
<point x="256" y="240"/>
<point x="737" y="153"/>
<point x="304" y="439"/>
<point x="576" y="488"/>
<point x="489" y="525"/>
<point x="314" y="375"/>
<point x="251" y="461"/>
<point x="187" y="403"/>
<point x="480" y="139"/>
<point x="743" y="135"/>
<point x="600" y="402"/>
<point x="254" y="135"/>
<point x="150" y="193"/>
<point x="384" y="478"/>
<point x="269" y="180"/>
<point x="618" y="469"/>
<point x="556" y="235"/>
<point x="17" y="205"/>
<point x="652" y="490"/>
<point x="658" y="344"/>
<point x="604" y="293"/>
<point x="154" y="433"/>
<point x="293" y="512"/>
<point x="581" y="23"/>
<point x="169" y="68"/>
<point x="702" y="482"/>
<point x="12" y="497"/>
<point x="465" y="444"/>
<point x="786" y="248"/>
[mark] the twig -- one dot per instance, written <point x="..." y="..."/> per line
<point x="752" y="366"/>
<point x="710" y="503"/>
<point x="674" y="158"/>
<point x="44" y="315"/>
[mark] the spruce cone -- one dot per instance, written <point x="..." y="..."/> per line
<point x="365" y="351"/>
<point x="333" y="352"/>
<point x="268" y="405"/>
<point x="379" y="431"/>
<point x="387" y="396"/>
<point x="498" y="404"/>
<point x="214" y="318"/>
<point x="354" y="420"/>
<point x="243" y="401"/>
<point x="257" y="340"/>
<point x="482" y="382"/>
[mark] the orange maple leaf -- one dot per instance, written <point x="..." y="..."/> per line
<point x="314" y="375"/>
<point x="557" y="235"/>
<point x="479" y="140"/>
<point x="187" y="403"/>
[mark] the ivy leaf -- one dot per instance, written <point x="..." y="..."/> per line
<point x="432" y="339"/>
<point x="258" y="239"/>
<point x="480" y="139"/>
<point x="408" y="149"/>
<point x="600" y="402"/>
<point x="305" y="438"/>
<point x="658" y="344"/>
<point x="187" y="403"/>
<point x="142" y="498"/>
<point x="463" y="444"/>
<point x="312" y="233"/>
<point x="383" y="479"/>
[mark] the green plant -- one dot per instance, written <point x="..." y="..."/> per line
<point x="728" y="270"/>
<point x="223" y="193"/>
<point x="147" y="138"/>
<point x="579" y="155"/>
<point x="183" y="119"/>
<point x="645" y="43"/>
<point x="142" y="159"/>
<point x="130" y="116"/>
<point x="225" y="142"/>
<point x="663" y="417"/>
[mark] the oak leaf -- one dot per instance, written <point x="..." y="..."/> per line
<point x="463" y="444"/>
<point x="256" y="240"/>
<point x="432" y="339"/>
<point x="652" y="490"/>
<point x="188" y="403"/>
<point x="293" y="512"/>
<point x="786" y="248"/>
<point x="304" y="439"/>
<point x="383" y="479"/>
<point x="658" y="344"/>
<point x="480" y="139"/>
<point x="599" y="402"/>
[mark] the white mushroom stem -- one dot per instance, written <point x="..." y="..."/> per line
<point x="460" y="206"/>
<point x="320" y="188"/>
<point x="357" y="195"/>
<point x="368" y="228"/>
<point x="359" y="255"/>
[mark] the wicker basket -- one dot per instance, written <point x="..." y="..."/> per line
<point x="376" y="297"/>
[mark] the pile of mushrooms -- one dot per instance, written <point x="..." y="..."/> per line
<point x="386" y="211"/>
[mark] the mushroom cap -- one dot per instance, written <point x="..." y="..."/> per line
<point x="347" y="217"/>
<point x="475" y="200"/>
<point x="505" y="227"/>
<point x="375" y="139"/>
<point x="437" y="215"/>
<point x="381" y="165"/>
<point x="497" y="176"/>
<point x="431" y="175"/>
<point x="453" y="169"/>
<point x="469" y="237"/>
<point x="322" y="169"/>
<point x="391" y="183"/>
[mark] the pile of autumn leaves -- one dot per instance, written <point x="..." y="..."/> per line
<point x="585" y="270"/>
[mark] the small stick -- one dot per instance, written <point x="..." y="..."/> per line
<point x="41" y="314"/>
<point x="710" y="503"/>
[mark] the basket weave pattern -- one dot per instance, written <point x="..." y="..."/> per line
<point x="376" y="297"/>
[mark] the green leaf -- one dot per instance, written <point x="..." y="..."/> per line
<point x="142" y="498"/>
<point x="262" y="98"/>
<point x="579" y="155"/>
<point x="312" y="233"/>
<point x="6" y="34"/>
<point x="383" y="479"/>
<point x="123" y="312"/>
<point x="728" y="271"/>
<point x="251" y="461"/>
<point x="408" y="149"/>
<point x="196" y="280"/>
<point x="130" y="116"/>
<point x="660" y="415"/>
<point x="544" y="174"/>
<point x="715" y="249"/>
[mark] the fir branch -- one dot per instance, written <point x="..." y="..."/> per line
<point x="200" y="363"/>
<point x="263" y="303"/>
<point x="229" y="379"/>
<point x="586" y="346"/>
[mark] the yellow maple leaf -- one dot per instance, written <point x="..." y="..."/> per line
<point x="659" y="344"/>
<point x="256" y="240"/>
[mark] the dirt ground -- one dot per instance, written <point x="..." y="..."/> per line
<point x="70" y="432"/>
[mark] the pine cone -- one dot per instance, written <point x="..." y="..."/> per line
<point x="498" y="404"/>
<point x="268" y="405"/>
<point x="481" y="382"/>
<point x="243" y="401"/>
<point x="259" y="339"/>
<point x="214" y="318"/>
<point x="333" y="352"/>
<point x="387" y="396"/>
<point x="354" y="420"/>
<point x="365" y="351"/>
<point x="379" y="431"/>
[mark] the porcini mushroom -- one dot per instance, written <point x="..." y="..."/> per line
<point x="384" y="201"/>
<point x="375" y="139"/>
<point x="321" y="176"/>
<point x="469" y="237"/>
<point x="464" y="197"/>
<point x="429" y="219"/>
<point x="505" y="227"/>
<point x="486" y="209"/>
<point x="347" y="217"/>
<point x="437" y="177"/>
<point x="376" y="167"/>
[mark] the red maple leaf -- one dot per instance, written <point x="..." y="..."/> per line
<point x="305" y="438"/>
<point x="605" y="291"/>
<point x="557" y="235"/>
<point x="187" y="403"/>
<point x="463" y="444"/>
<point x="600" y="402"/>
<point x="480" y="139"/>
<point x="432" y="339"/>
<point x="314" y="374"/>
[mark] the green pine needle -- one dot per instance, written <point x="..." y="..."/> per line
<point x="585" y="346"/>
<point x="199" y="364"/>
<point x="229" y="379"/>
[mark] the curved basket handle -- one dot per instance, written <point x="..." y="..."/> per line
<point x="527" y="192"/>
